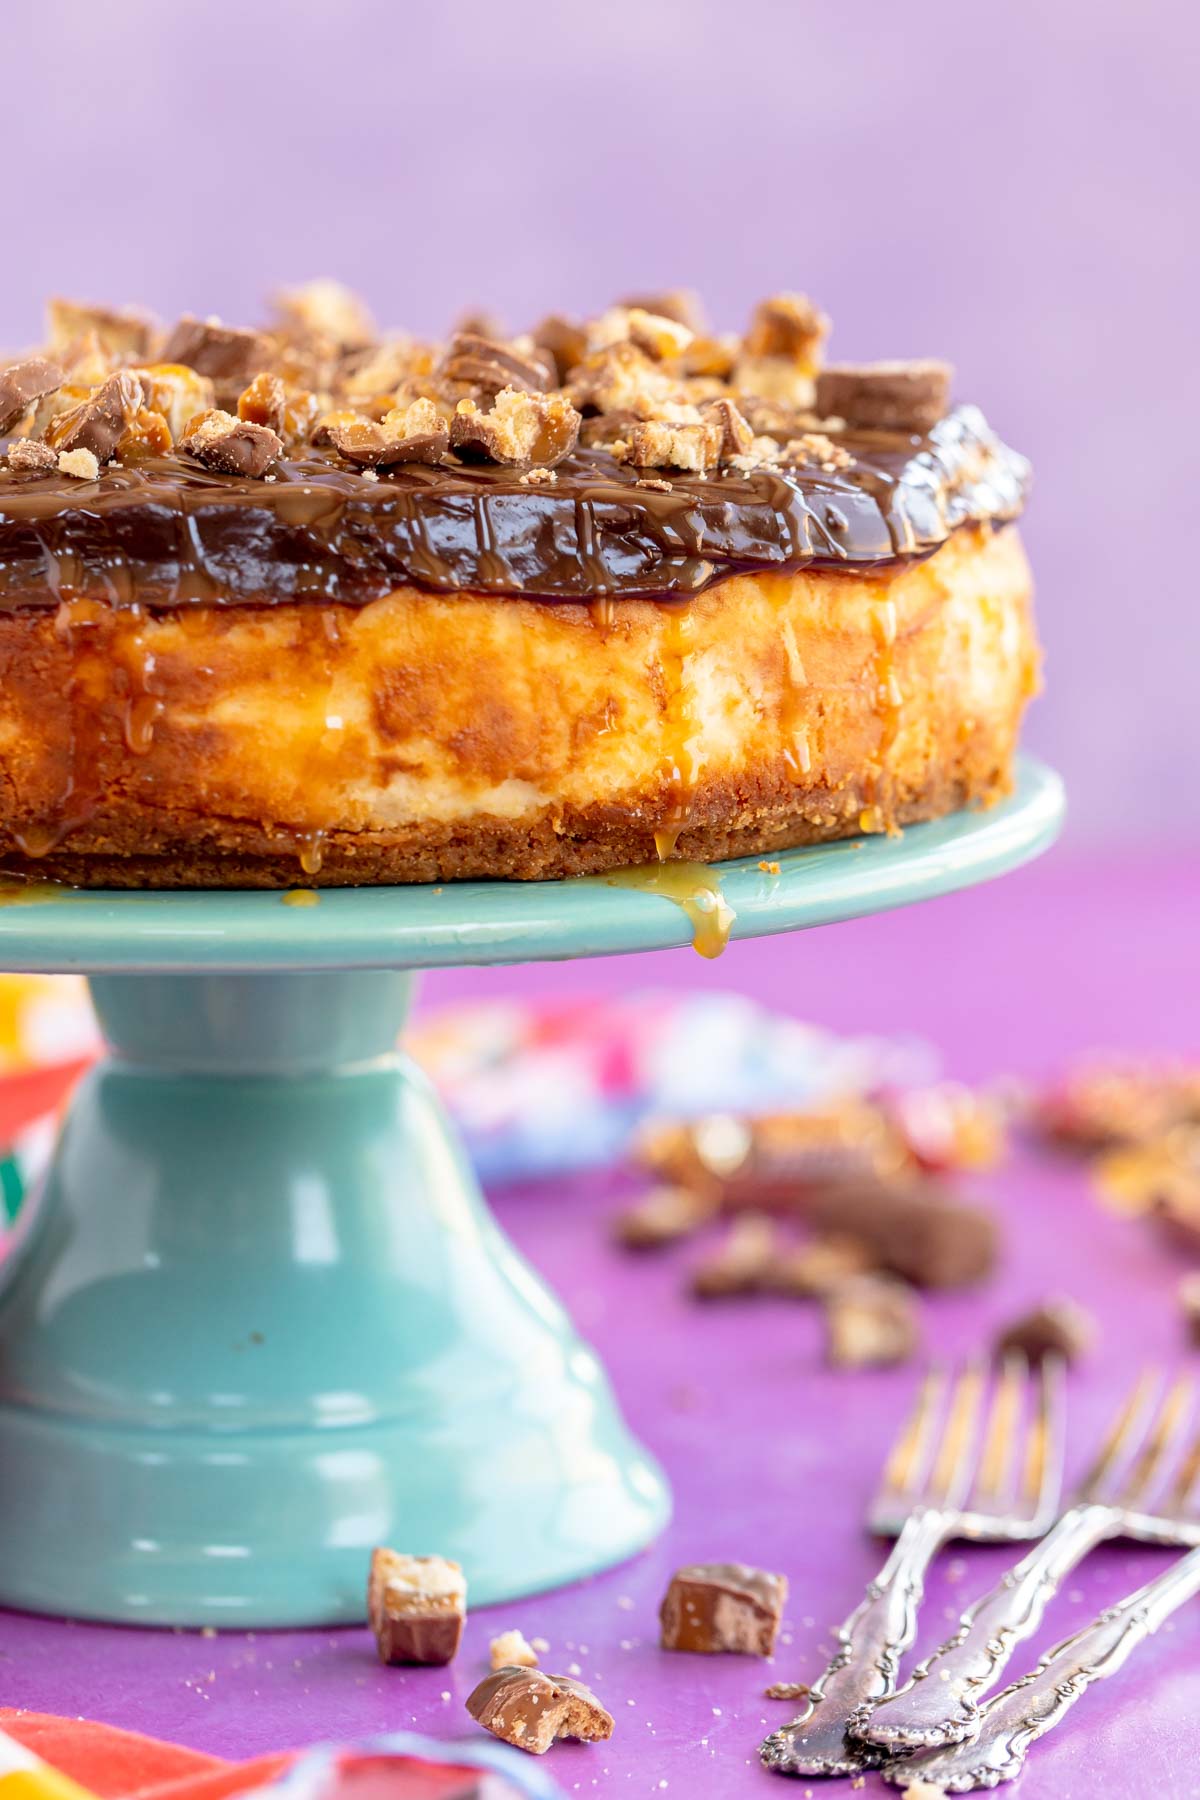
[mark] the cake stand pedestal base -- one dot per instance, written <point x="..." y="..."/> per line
<point x="258" y="1318"/>
<point x="262" y="1321"/>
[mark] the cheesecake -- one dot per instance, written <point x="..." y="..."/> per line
<point x="310" y="604"/>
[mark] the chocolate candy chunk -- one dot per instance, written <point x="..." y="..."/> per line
<point x="233" y="446"/>
<point x="913" y="1231"/>
<point x="23" y="383"/>
<point x="226" y="354"/>
<point x="871" y="1323"/>
<point x="1056" y="1328"/>
<point x="531" y="1710"/>
<point x="736" y="435"/>
<point x="661" y="444"/>
<point x="415" y="1606"/>
<point x="563" y="340"/>
<point x="511" y="1650"/>
<point x="679" y="304"/>
<point x="99" y="422"/>
<point x="786" y="325"/>
<point x="414" y="433"/>
<point x="27" y="453"/>
<point x="663" y="1216"/>
<point x="886" y="396"/>
<point x="742" y="1263"/>
<point x="264" y="402"/>
<point x="518" y="428"/>
<point x="812" y="1270"/>
<point x="710" y="1607"/>
<point x="490" y="366"/>
<point x="121" y="331"/>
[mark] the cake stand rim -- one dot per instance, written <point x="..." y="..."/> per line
<point x="496" y="922"/>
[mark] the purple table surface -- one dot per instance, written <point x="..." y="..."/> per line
<point x="772" y="1457"/>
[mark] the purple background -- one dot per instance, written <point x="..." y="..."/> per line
<point x="1011" y="186"/>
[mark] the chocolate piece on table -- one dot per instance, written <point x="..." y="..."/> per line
<point x="23" y="383"/>
<point x="713" y="1607"/>
<point x="787" y="1690"/>
<point x="662" y="1216"/>
<point x="1105" y="1106"/>
<point x="416" y="1606"/>
<point x="511" y="1650"/>
<point x="886" y="396"/>
<point x="99" y="423"/>
<point x="530" y="1709"/>
<point x="912" y="1230"/>
<point x="810" y="1271"/>
<point x="1056" y="1328"/>
<point x="234" y="446"/>
<point x="741" y="1264"/>
<point x="871" y="1323"/>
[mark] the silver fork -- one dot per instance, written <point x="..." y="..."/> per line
<point x="1015" y="1719"/>
<point x="934" y="1488"/>
<point x="1113" y="1500"/>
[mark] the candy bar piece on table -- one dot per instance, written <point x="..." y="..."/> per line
<point x="531" y="1710"/>
<point x="416" y="1606"/>
<point x="711" y="1607"/>
<point x="914" y="1231"/>
<point x="1056" y="1328"/>
<point x="871" y="1323"/>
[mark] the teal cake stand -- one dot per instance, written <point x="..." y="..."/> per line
<point x="258" y="1318"/>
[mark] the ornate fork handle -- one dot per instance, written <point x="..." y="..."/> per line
<point x="863" y="1670"/>
<point x="1030" y="1708"/>
<point x="946" y="1710"/>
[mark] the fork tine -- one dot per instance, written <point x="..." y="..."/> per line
<point x="1047" y="1441"/>
<point x="997" y="1458"/>
<point x="1124" y="1432"/>
<point x="956" y="1452"/>
<point x="905" y="1469"/>
<point x="1164" y="1429"/>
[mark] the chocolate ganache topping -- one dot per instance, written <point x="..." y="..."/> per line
<point x="630" y="458"/>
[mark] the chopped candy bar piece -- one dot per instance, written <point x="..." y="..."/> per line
<point x="711" y="1607"/>
<point x="531" y="1710"/>
<point x="1056" y="1328"/>
<point x="510" y="1650"/>
<point x="871" y="1323"/>
<point x="416" y="1606"/>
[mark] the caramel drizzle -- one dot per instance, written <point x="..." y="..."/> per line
<point x="696" y="889"/>
<point x="680" y="729"/>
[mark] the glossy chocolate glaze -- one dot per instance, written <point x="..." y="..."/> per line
<point x="164" y="532"/>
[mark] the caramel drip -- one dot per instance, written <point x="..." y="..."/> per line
<point x="301" y="897"/>
<point x="143" y="706"/>
<point x="696" y="889"/>
<point x="879" y="813"/>
<point x="79" y="796"/>
<point x="794" y="697"/>
<point x="31" y="893"/>
<point x="680" y="729"/>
